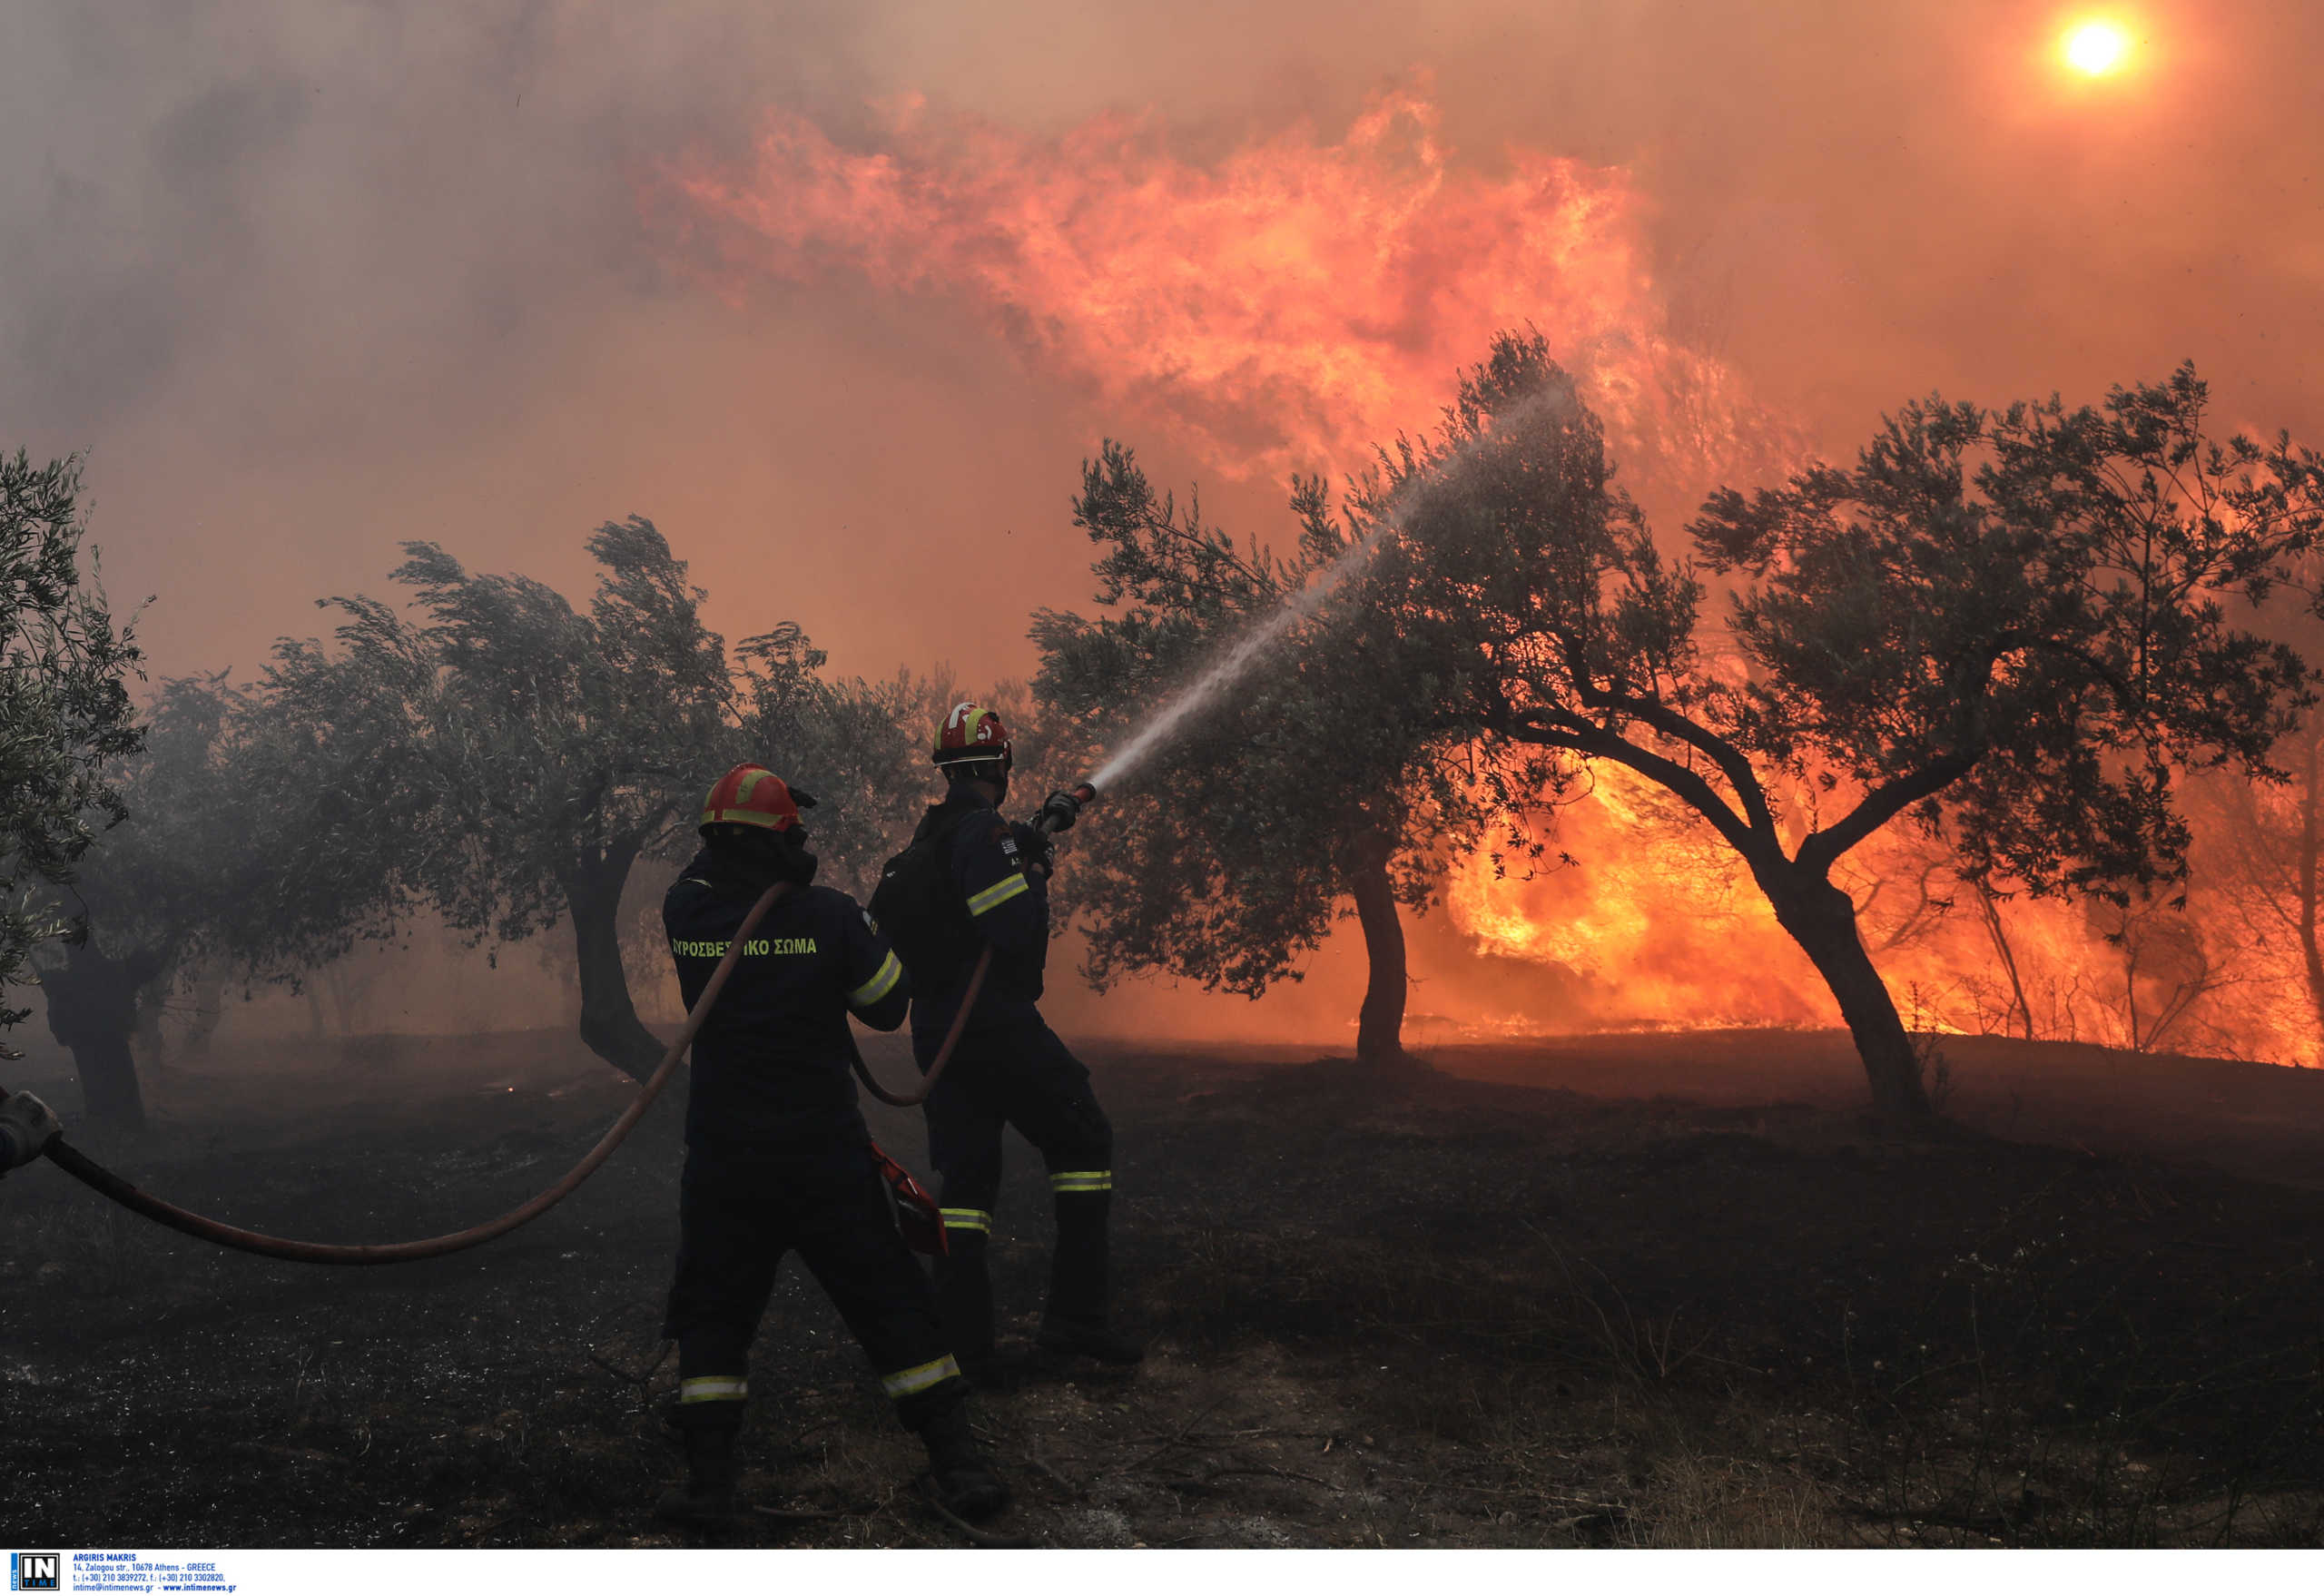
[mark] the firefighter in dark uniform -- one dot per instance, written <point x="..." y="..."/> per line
<point x="1010" y="1067"/>
<point x="27" y="1125"/>
<point x="778" y="1156"/>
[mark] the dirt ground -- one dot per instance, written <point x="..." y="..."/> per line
<point x="1638" y="1290"/>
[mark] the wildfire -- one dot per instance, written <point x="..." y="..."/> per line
<point x="1663" y="927"/>
<point x="1287" y="305"/>
<point x="1283" y="307"/>
<point x="1666" y="930"/>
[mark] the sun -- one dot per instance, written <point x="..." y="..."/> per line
<point x="2096" y="48"/>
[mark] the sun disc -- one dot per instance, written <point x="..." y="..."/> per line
<point x="2096" y="47"/>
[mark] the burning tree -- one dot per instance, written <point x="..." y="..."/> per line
<point x="66" y="715"/>
<point x="2263" y="850"/>
<point x="514" y="758"/>
<point x="2016" y="624"/>
<point x="1313" y="790"/>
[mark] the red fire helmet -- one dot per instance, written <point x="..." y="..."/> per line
<point x="754" y="795"/>
<point x="972" y="732"/>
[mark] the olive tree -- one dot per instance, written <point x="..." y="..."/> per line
<point x="512" y="758"/>
<point x="2026" y="626"/>
<point x="1311" y="789"/>
<point x="66" y="719"/>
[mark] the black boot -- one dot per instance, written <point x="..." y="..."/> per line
<point x="709" y="1429"/>
<point x="964" y="1301"/>
<point x="958" y="1467"/>
<point x="1075" y="1323"/>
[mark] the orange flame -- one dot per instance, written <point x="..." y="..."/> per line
<point x="1667" y="930"/>
<point x="1281" y="309"/>
<point x="1292" y="302"/>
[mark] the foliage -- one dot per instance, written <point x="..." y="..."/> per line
<point x="855" y="744"/>
<point x="235" y="844"/>
<point x="1231" y="854"/>
<point x="2021" y="626"/>
<point x="2031" y="613"/>
<point x="65" y="714"/>
<point x="511" y="757"/>
<point x="509" y="744"/>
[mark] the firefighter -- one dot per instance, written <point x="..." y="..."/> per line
<point x="777" y="1153"/>
<point x="1010" y="1067"/>
<point x="27" y="1125"/>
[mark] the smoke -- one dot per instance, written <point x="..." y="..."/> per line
<point x="306" y="278"/>
<point x="1281" y="309"/>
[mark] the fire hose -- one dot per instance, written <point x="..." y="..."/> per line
<point x="106" y="1183"/>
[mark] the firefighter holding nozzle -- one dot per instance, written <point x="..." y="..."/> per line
<point x="27" y="1125"/>
<point x="778" y="1156"/>
<point x="972" y="882"/>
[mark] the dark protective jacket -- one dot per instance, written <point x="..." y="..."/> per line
<point x="1008" y="909"/>
<point x="772" y="1062"/>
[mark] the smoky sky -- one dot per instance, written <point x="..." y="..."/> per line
<point x="304" y="279"/>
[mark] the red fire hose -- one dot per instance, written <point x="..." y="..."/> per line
<point x="78" y="1165"/>
<point x="104" y="1182"/>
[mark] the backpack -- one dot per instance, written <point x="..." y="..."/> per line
<point x="920" y="912"/>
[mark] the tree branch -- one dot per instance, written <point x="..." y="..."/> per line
<point x="1725" y="754"/>
<point x="1821" y="850"/>
<point x="1557" y="729"/>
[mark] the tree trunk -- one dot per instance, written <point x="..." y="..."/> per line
<point x="91" y="1013"/>
<point x="2312" y="955"/>
<point x="1380" y="1023"/>
<point x="147" y="1042"/>
<point x="209" y="1008"/>
<point x="1822" y="920"/>
<point x="1999" y="934"/>
<point x="609" y="1024"/>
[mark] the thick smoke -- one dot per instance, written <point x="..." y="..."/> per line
<point x="306" y="280"/>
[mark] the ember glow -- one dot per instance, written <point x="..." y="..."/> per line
<point x="1282" y="308"/>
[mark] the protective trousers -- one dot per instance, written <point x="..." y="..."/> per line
<point x="1020" y="1074"/>
<point x="739" y="1211"/>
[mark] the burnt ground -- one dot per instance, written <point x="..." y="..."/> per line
<point x="1628" y="1291"/>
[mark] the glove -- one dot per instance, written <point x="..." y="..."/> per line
<point x="1058" y="812"/>
<point x="1034" y="845"/>
<point x="27" y="1125"/>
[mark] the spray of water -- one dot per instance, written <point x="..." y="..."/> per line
<point x="1230" y="666"/>
<point x="1237" y="659"/>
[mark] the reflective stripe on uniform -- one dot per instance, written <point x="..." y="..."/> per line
<point x="713" y="1388"/>
<point x="883" y="981"/>
<point x="910" y="1381"/>
<point x="1082" y="1180"/>
<point x="1000" y="892"/>
<point x="967" y="1219"/>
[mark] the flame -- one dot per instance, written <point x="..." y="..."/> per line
<point x="1289" y="303"/>
<point x="1280" y="309"/>
<point x="1663" y="924"/>
<point x="1667" y="928"/>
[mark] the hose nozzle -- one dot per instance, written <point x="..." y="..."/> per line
<point x="1061" y="809"/>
